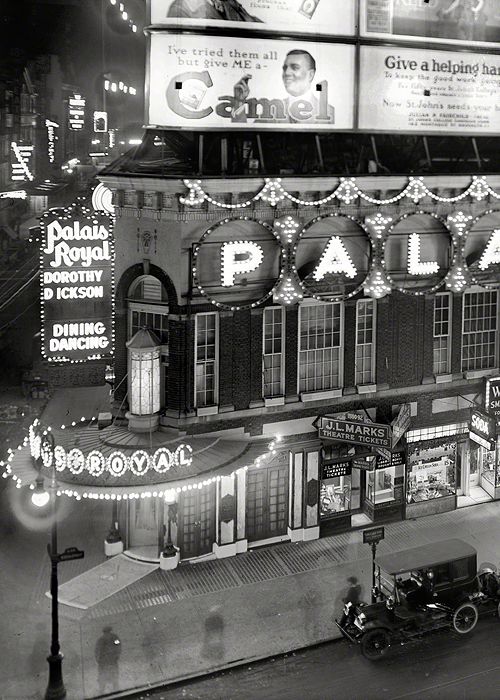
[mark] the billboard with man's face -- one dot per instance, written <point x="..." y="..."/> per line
<point x="468" y="22"/>
<point x="327" y="17"/>
<point x="200" y="82"/>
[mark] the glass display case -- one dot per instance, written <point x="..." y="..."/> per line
<point x="431" y="471"/>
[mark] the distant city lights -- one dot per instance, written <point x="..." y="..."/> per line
<point x="51" y="138"/>
<point x="76" y="112"/>
<point x="112" y="86"/>
<point x="124" y="15"/>
<point x="20" y="166"/>
<point x="13" y="194"/>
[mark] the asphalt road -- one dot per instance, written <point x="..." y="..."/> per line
<point x="440" y="666"/>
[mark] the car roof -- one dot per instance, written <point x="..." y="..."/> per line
<point x="425" y="556"/>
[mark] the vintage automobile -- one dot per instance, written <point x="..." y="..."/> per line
<point x="420" y="590"/>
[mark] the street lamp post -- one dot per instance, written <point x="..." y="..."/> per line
<point x="55" y="688"/>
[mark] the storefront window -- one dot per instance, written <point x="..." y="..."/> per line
<point x="431" y="470"/>
<point x="385" y="482"/>
<point x="335" y="495"/>
<point x="380" y="485"/>
<point x="335" y="490"/>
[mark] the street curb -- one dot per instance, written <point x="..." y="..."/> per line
<point x="212" y="672"/>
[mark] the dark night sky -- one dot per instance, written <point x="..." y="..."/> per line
<point x="73" y="29"/>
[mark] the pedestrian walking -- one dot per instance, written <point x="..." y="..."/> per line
<point x="107" y="655"/>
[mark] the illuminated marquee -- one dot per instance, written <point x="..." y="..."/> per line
<point x="117" y="463"/>
<point x="77" y="285"/>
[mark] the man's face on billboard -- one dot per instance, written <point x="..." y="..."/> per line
<point x="297" y="74"/>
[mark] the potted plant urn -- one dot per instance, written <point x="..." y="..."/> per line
<point x="170" y="554"/>
<point x="169" y="557"/>
<point x="113" y="543"/>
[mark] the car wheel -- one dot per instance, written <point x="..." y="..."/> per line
<point x="374" y="644"/>
<point x="465" y="618"/>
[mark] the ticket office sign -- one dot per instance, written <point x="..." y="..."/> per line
<point x="368" y="434"/>
<point x="233" y="83"/>
<point x="475" y="22"/>
<point x="419" y="90"/>
<point x="77" y="289"/>
<point x="326" y="17"/>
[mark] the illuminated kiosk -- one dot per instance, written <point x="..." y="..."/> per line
<point x="144" y="382"/>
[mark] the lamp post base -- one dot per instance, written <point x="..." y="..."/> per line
<point x="55" y="689"/>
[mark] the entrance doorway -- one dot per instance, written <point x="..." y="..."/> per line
<point x="145" y="519"/>
<point x="196" y="529"/>
<point x="267" y="503"/>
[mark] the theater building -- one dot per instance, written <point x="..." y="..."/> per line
<point x="296" y="353"/>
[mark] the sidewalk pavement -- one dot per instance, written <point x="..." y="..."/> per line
<point x="197" y="619"/>
<point x="202" y="617"/>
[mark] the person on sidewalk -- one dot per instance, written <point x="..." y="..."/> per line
<point x="107" y="655"/>
<point x="353" y="594"/>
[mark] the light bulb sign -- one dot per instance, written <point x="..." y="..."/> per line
<point x="77" y="285"/>
<point x="482" y="249"/>
<point x="76" y="112"/>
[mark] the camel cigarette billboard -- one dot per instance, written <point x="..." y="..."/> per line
<point x="200" y="82"/>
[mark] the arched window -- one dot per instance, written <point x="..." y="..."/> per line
<point x="147" y="308"/>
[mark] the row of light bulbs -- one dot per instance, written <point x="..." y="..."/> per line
<point x="118" y="496"/>
<point x="347" y="192"/>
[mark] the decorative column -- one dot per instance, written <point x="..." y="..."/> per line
<point x="225" y="545"/>
<point x="304" y="496"/>
<point x="143" y="381"/>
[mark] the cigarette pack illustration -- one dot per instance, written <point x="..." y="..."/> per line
<point x="308" y="8"/>
<point x="191" y="94"/>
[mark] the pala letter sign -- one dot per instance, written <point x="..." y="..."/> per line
<point x="77" y="285"/>
<point x="482" y="429"/>
<point x="368" y="434"/>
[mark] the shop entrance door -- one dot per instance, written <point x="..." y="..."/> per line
<point x="474" y="468"/>
<point x="196" y="533"/>
<point x="267" y="503"/>
<point x="144" y="523"/>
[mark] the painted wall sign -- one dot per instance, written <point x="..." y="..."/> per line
<point x="330" y="17"/>
<point x="354" y="432"/>
<point x="466" y="23"/>
<point x="233" y="83"/>
<point x="77" y="285"/>
<point x="418" y="90"/>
